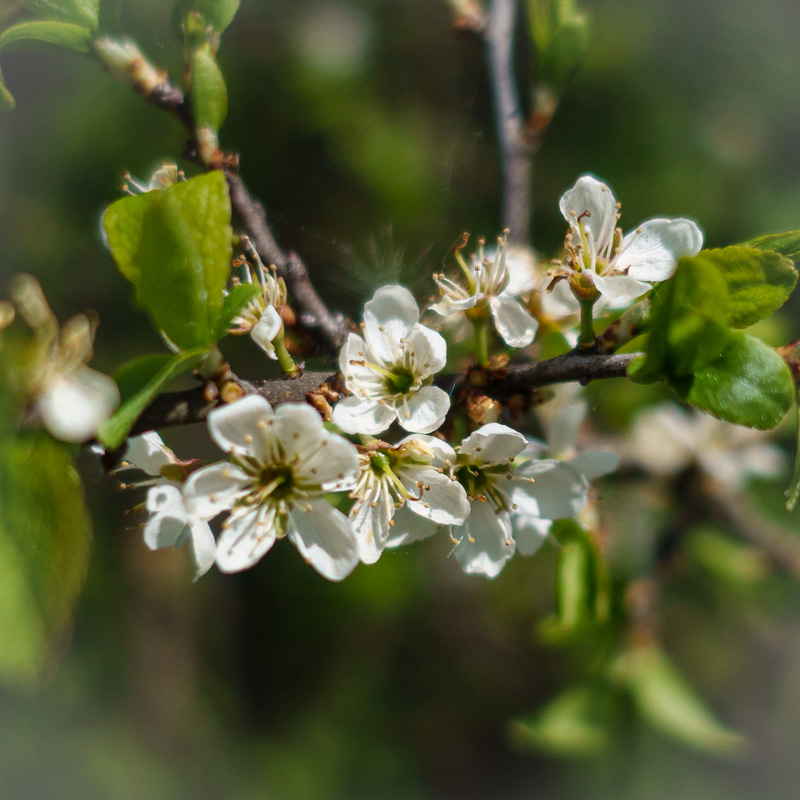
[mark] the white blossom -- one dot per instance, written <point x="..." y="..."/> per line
<point x="621" y="267"/>
<point x="509" y="504"/>
<point x="666" y="439"/>
<point x="260" y="317"/>
<point x="169" y="524"/>
<point x="71" y="399"/>
<point x="281" y="464"/>
<point x="494" y="282"/>
<point x="413" y="473"/>
<point x="390" y="369"/>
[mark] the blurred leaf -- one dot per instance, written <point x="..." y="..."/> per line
<point x="726" y="559"/>
<point x="235" y="301"/>
<point x="79" y="12"/>
<point x="787" y="244"/>
<point x="209" y="94"/>
<point x="7" y="102"/>
<point x="666" y="702"/>
<point x="759" y="282"/>
<point x="561" y="37"/>
<point x="175" y="246"/>
<point x="45" y="535"/>
<point x="217" y="13"/>
<point x="688" y="322"/>
<point x="749" y="384"/>
<point x="575" y="723"/>
<point x="61" y="34"/>
<point x="110" y="17"/>
<point x="139" y="382"/>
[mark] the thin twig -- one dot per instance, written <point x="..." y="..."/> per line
<point x="516" y="150"/>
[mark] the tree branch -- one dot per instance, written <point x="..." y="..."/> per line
<point x="516" y="150"/>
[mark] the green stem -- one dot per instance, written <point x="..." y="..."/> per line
<point x="792" y="494"/>
<point x="481" y="342"/>
<point x="586" y="339"/>
<point x="284" y="359"/>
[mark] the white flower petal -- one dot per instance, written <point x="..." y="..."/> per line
<point x="594" y="463"/>
<point x="204" y="547"/>
<point x="370" y="517"/>
<point x="243" y="427"/>
<point x="429" y="347"/>
<point x="513" y="322"/>
<point x="357" y="415"/>
<point x="443" y="500"/>
<point x="389" y="317"/>
<point x="449" y="305"/>
<point x="529" y="533"/>
<point x="245" y="539"/>
<point x="486" y="542"/>
<point x="410" y="527"/>
<point x="558" y="489"/>
<point x="619" y="290"/>
<point x="442" y="452"/>
<point x="214" y="489"/>
<point x="266" y="329"/>
<point x="168" y="516"/>
<point x="149" y="453"/>
<point x="427" y="409"/>
<point x="590" y="195"/>
<point x="522" y="272"/>
<point x="493" y="444"/>
<point x="74" y="406"/>
<point x="653" y="250"/>
<point x="324" y="537"/>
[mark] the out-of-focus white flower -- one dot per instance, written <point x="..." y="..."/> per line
<point x="414" y="473"/>
<point x="390" y="370"/>
<point x="169" y="524"/>
<point x="162" y="178"/>
<point x="494" y="282"/>
<point x="260" y="317"/>
<point x="666" y="439"/>
<point x="281" y="465"/>
<point x="509" y="505"/>
<point x="621" y="268"/>
<point x="71" y="399"/>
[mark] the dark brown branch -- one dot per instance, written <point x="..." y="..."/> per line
<point x="516" y="149"/>
<point x="329" y="329"/>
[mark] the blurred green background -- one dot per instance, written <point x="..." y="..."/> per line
<point x="365" y="127"/>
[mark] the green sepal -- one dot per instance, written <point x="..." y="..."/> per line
<point x="759" y="282"/>
<point x="667" y="703"/>
<point x="787" y="244"/>
<point x="61" y="34"/>
<point x="209" y="93"/>
<point x="749" y="384"/>
<point x="175" y="246"/>
<point x="79" y="12"/>
<point x="140" y="381"/>
<point x="237" y="299"/>
<point x="45" y="539"/>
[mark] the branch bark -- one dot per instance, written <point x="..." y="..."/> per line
<point x="516" y="150"/>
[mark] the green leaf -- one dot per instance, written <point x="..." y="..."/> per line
<point x="61" y="34"/>
<point x="575" y="724"/>
<point x="787" y="244"/>
<point x="175" y="246"/>
<point x="217" y="13"/>
<point x="7" y="102"/>
<point x="749" y="384"/>
<point x="667" y="703"/>
<point x="139" y="382"/>
<point x="759" y="282"/>
<point x="209" y="93"/>
<point x="78" y="12"/>
<point x="235" y="301"/>
<point x="688" y="321"/>
<point x="110" y="17"/>
<point x="45" y="536"/>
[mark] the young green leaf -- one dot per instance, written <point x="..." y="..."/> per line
<point x="759" y="282"/>
<point x="209" y="94"/>
<point x="688" y="321"/>
<point x="235" y="301"/>
<point x="217" y="13"/>
<point x="175" y="246"/>
<point x="78" y="12"/>
<point x="7" y="101"/>
<point x="45" y="536"/>
<point x="139" y="383"/>
<point x="667" y="703"/>
<point x="787" y="244"/>
<point x="749" y="384"/>
<point x="61" y="34"/>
